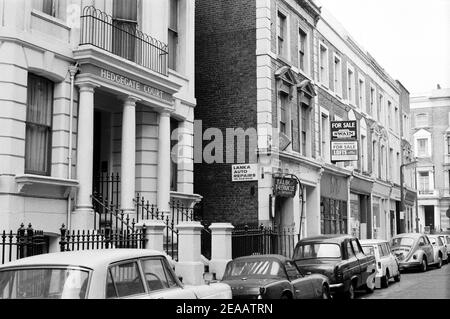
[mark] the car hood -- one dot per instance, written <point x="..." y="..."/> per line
<point x="321" y="266"/>
<point x="248" y="285"/>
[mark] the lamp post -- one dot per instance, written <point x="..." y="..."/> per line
<point x="402" y="200"/>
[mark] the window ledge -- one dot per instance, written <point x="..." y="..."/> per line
<point x="49" y="18"/>
<point x="27" y="181"/>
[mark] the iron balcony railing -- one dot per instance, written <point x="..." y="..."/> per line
<point x="122" y="38"/>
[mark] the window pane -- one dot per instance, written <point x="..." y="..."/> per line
<point x="173" y="15"/>
<point x="127" y="279"/>
<point x="125" y="9"/>
<point x="154" y="274"/>
<point x="173" y="42"/>
<point x="37" y="149"/>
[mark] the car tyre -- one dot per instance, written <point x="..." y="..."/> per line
<point x="351" y="292"/>
<point x="285" y="296"/>
<point x="424" y="265"/>
<point x="439" y="265"/>
<point x="326" y="292"/>
<point x="398" y="277"/>
<point x="385" y="280"/>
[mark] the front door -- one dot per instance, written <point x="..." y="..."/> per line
<point x="429" y="217"/>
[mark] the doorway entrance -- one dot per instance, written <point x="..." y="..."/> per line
<point x="429" y="217"/>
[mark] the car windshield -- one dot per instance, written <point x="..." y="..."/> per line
<point x="256" y="268"/>
<point x="43" y="283"/>
<point x="368" y="250"/>
<point x="311" y="251"/>
<point x="402" y="241"/>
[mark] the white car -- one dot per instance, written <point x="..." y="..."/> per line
<point x="387" y="263"/>
<point x="439" y="249"/>
<point x="100" y="274"/>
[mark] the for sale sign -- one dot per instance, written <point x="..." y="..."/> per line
<point x="344" y="141"/>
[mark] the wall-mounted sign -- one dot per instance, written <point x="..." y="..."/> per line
<point x="344" y="141"/>
<point x="284" y="187"/>
<point x="244" y="172"/>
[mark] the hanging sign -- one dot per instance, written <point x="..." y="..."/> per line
<point x="244" y="172"/>
<point x="284" y="187"/>
<point x="344" y="141"/>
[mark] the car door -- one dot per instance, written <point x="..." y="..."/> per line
<point x="366" y="262"/>
<point x="393" y="269"/>
<point x="160" y="280"/>
<point x="352" y="267"/>
<point x="302" y="285"/>
<point x="425" y="245"/>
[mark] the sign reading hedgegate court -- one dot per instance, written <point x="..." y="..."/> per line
<point x="344" y="141"/>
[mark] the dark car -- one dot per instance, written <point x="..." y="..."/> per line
<point x="341" y="259"/>
<point x="272" y="277"/>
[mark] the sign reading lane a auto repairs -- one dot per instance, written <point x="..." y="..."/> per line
<point x="344" y="141"/>
<point x="244" y="172"/>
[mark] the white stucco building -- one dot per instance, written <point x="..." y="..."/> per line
<point x="90" y="88"/>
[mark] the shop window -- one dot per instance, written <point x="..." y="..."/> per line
<point x="333" y="216"/>
<point x="173" y="33"/>
<point x="124" y="28"/>
<point x="38" y="125"/>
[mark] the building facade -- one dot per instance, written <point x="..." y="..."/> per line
<point x="430" y="130"/>
<point x="288" y="74"/>
<point x="92" y="89"/>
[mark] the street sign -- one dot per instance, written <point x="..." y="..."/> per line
<point x="285" y="187"/>
<point x="244" y="172"/>
<point x="344" y="141"/>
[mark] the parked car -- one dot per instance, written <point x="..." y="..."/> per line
<point x="446" y="240"/>
<point x="100" y="274"/>
<point x="387" y="263"/>
<point x="341" y="259"/>
<point x="272" y="277"/>
<point x="439" y="249"/>
<point x="413" y="250"/>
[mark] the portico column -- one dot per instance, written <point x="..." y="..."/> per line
<point x="164" y="162"/>
<point x="128" y="157"/>
<point x="85" y="158"/>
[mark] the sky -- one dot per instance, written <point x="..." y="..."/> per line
<point x="410" y="39"/>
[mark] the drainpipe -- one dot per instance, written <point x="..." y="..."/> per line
<point x="73" y="69"/>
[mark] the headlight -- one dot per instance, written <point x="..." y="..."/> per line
<point x="414" y="257"/>
<point x="262" y="291"/>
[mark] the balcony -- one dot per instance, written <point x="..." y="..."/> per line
<point x="122" y="38"/>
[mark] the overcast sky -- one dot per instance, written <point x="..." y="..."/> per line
<point x="410" y="39"/>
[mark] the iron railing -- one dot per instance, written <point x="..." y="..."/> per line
<point x="74" y="240"/>
<point x="122" y="38"/>
<point x="262" y="240"/>
<point x="26" y="242"/>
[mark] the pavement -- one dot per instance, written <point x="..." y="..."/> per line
<point x="433" y="284"/>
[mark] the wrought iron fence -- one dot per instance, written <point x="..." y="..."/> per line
<point x="262" y="240"/>
<point x="26" y="242"/>
<point x="122" y="38"/>
<point x="74" y="240"/>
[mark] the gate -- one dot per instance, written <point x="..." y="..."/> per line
<point x="262" y="240"/>
<point x="26" y="242"/>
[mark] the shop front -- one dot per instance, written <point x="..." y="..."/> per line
<point x="380" y="207"/>
<point x="333" y="204"/>
<point x="360" y="207"/>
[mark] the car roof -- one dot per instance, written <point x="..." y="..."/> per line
<point x="413" y="235"/>
<point x="279" y="258"/>
<point x="86" y="258"/>
<point x="372" y="241"/>
<point x="326" y="238"/>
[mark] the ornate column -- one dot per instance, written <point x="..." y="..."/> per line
<point x="128" y="155"/>
<point x="164" y="161"/>
<point x="82" y="217"/>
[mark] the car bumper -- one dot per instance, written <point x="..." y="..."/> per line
<point x="336" y="288"/>
<point x="409" y="265"/>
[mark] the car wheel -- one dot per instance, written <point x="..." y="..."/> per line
<point x="397" y="278"/>
<point x="423" y="266"/>
<point x="385" y="280"/>
<point x="326" y="292"/>
<point x="439" y="265"/>
<point x="351" y="292"/>
<point x="285" y="296"/>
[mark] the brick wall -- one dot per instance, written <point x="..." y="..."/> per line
<point x="226" y="98"/>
